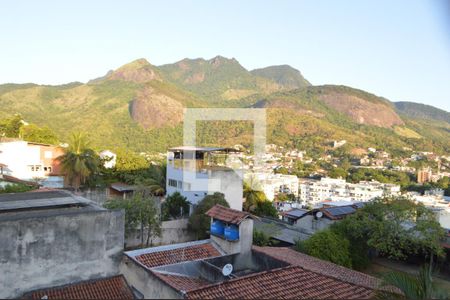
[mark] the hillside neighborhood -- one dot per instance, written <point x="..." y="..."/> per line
<point x="243" y="207"/>
<point x="225" y="150"/>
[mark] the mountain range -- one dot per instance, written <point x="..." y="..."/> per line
<point x="140" y="106"/>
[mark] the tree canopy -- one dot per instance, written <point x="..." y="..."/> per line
<point x="199" y="223"/>
<point x="175" y="206"/>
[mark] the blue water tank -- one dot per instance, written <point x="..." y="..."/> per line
<point x="232" y="233"/>
<point x="217" y="227"/>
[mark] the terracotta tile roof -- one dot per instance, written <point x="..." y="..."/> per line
<point x="286" y="283"/>
<point x="106" y="288"/>
<point x="182" y="283"/>
<point x="227" y="215"/>
<point x="320" y="266"/>
<point x="17" y="180"/>
<point x="173" y="256"/>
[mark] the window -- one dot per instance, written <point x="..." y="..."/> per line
<point x="180" y="185"/>
<point x="172" y="182"/>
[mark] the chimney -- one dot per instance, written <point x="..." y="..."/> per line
<point x="231" y="229"/>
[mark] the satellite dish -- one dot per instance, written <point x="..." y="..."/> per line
<point x="319" y="214"/>
<point x="227" y="269"/>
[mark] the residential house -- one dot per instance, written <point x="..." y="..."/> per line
<point x="228" y="266"/>
<point x="32" y="161"/>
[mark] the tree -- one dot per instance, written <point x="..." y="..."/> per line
<point x="78" y="160"/>
<point x="140" y="213"/>
<point x="157" y="180"/>
<point x="266" y="208"/>
<point x="395" y="227"/>
<point x="416" y="287"/>
<point x="199" y="223"/>
<point x="327" y="245"/>
<point x="252" y="193"/>
<point x="33" y="133"/>
<point x="11" y="127"/>
<point x="175" y="206"/>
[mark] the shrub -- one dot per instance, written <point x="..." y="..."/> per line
<point x="175" y="206"/>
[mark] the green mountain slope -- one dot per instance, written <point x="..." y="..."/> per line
<point x="284" y="75"/>
<point x="217" y="79"/>
<point x="140" y="106"/>
<point x="422" y="111"/>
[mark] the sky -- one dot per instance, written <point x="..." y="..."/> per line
<point x="396" y="49"/>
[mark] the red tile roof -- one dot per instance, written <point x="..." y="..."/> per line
<point x="286" y="283"/>
<point x="106" y="288"/>
<point x="320" y="266"/>
<point x="228" y="215"/>
<point x="173" y="256"/>
<point x="182" y="283"/>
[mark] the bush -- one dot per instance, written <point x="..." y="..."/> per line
<point x="260" y="238"/>
<point x="175" y="206"/>
<point x="16" y="188"/>
<point x="199" y="223"/>
<point x="327" y="245"/>
<point x="266" y="208"/>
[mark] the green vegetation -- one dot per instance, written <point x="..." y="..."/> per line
<point x="306" y="118"/>
<point x="261" y="239"/>
<point x="415" y="287"/>
<point x="422" y="111"/>
<point x="141" y="214"/>
<point x="175" y="206"/>
<point x="396" y="228"/>
<point x="256" y="201"/>
<point x="15" y="127"/>
<point x="16" y="188"/>
<point x="78" y="160"/>
<point x="383" y="176"/>
<point x="327" y="245"/>
<point x="199" y="223"/>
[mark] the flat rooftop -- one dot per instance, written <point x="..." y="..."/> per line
<point x="38" y="203"/>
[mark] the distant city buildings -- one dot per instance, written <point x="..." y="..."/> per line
<point x="313" y="192"/>
<point x="273" y="184"/>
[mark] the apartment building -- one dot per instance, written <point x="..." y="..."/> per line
<point x="195" y="172"/>
<point x="329" y="189"/>
<point x="273" y="184"/>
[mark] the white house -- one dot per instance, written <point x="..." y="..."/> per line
<point x="32" y="161"/>
<point x="109" y="159"/>
<point x="195" y="172"/>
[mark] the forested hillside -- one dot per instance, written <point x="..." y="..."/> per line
<point x="140" y="107"/>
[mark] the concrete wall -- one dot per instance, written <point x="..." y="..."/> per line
<point x="145" y="282"/>
<point x="311" y="225"/>
<point x="48" y="251"/>
<point x="172" y="232"/>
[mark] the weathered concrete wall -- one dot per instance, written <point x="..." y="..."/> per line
<point x="47" y="251"/>
<point x="172" y="232"/>
<point x="311" y="225"/>
<point x="145" y="282"/>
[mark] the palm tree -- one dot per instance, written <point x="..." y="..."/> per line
<point x="416" y="287"/>
<point x="157" y="181"/>
<point x="253" y="193"/>
<point x="78" y="160"/>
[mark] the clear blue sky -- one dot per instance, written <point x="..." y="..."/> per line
<point x="396" y="49"/>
